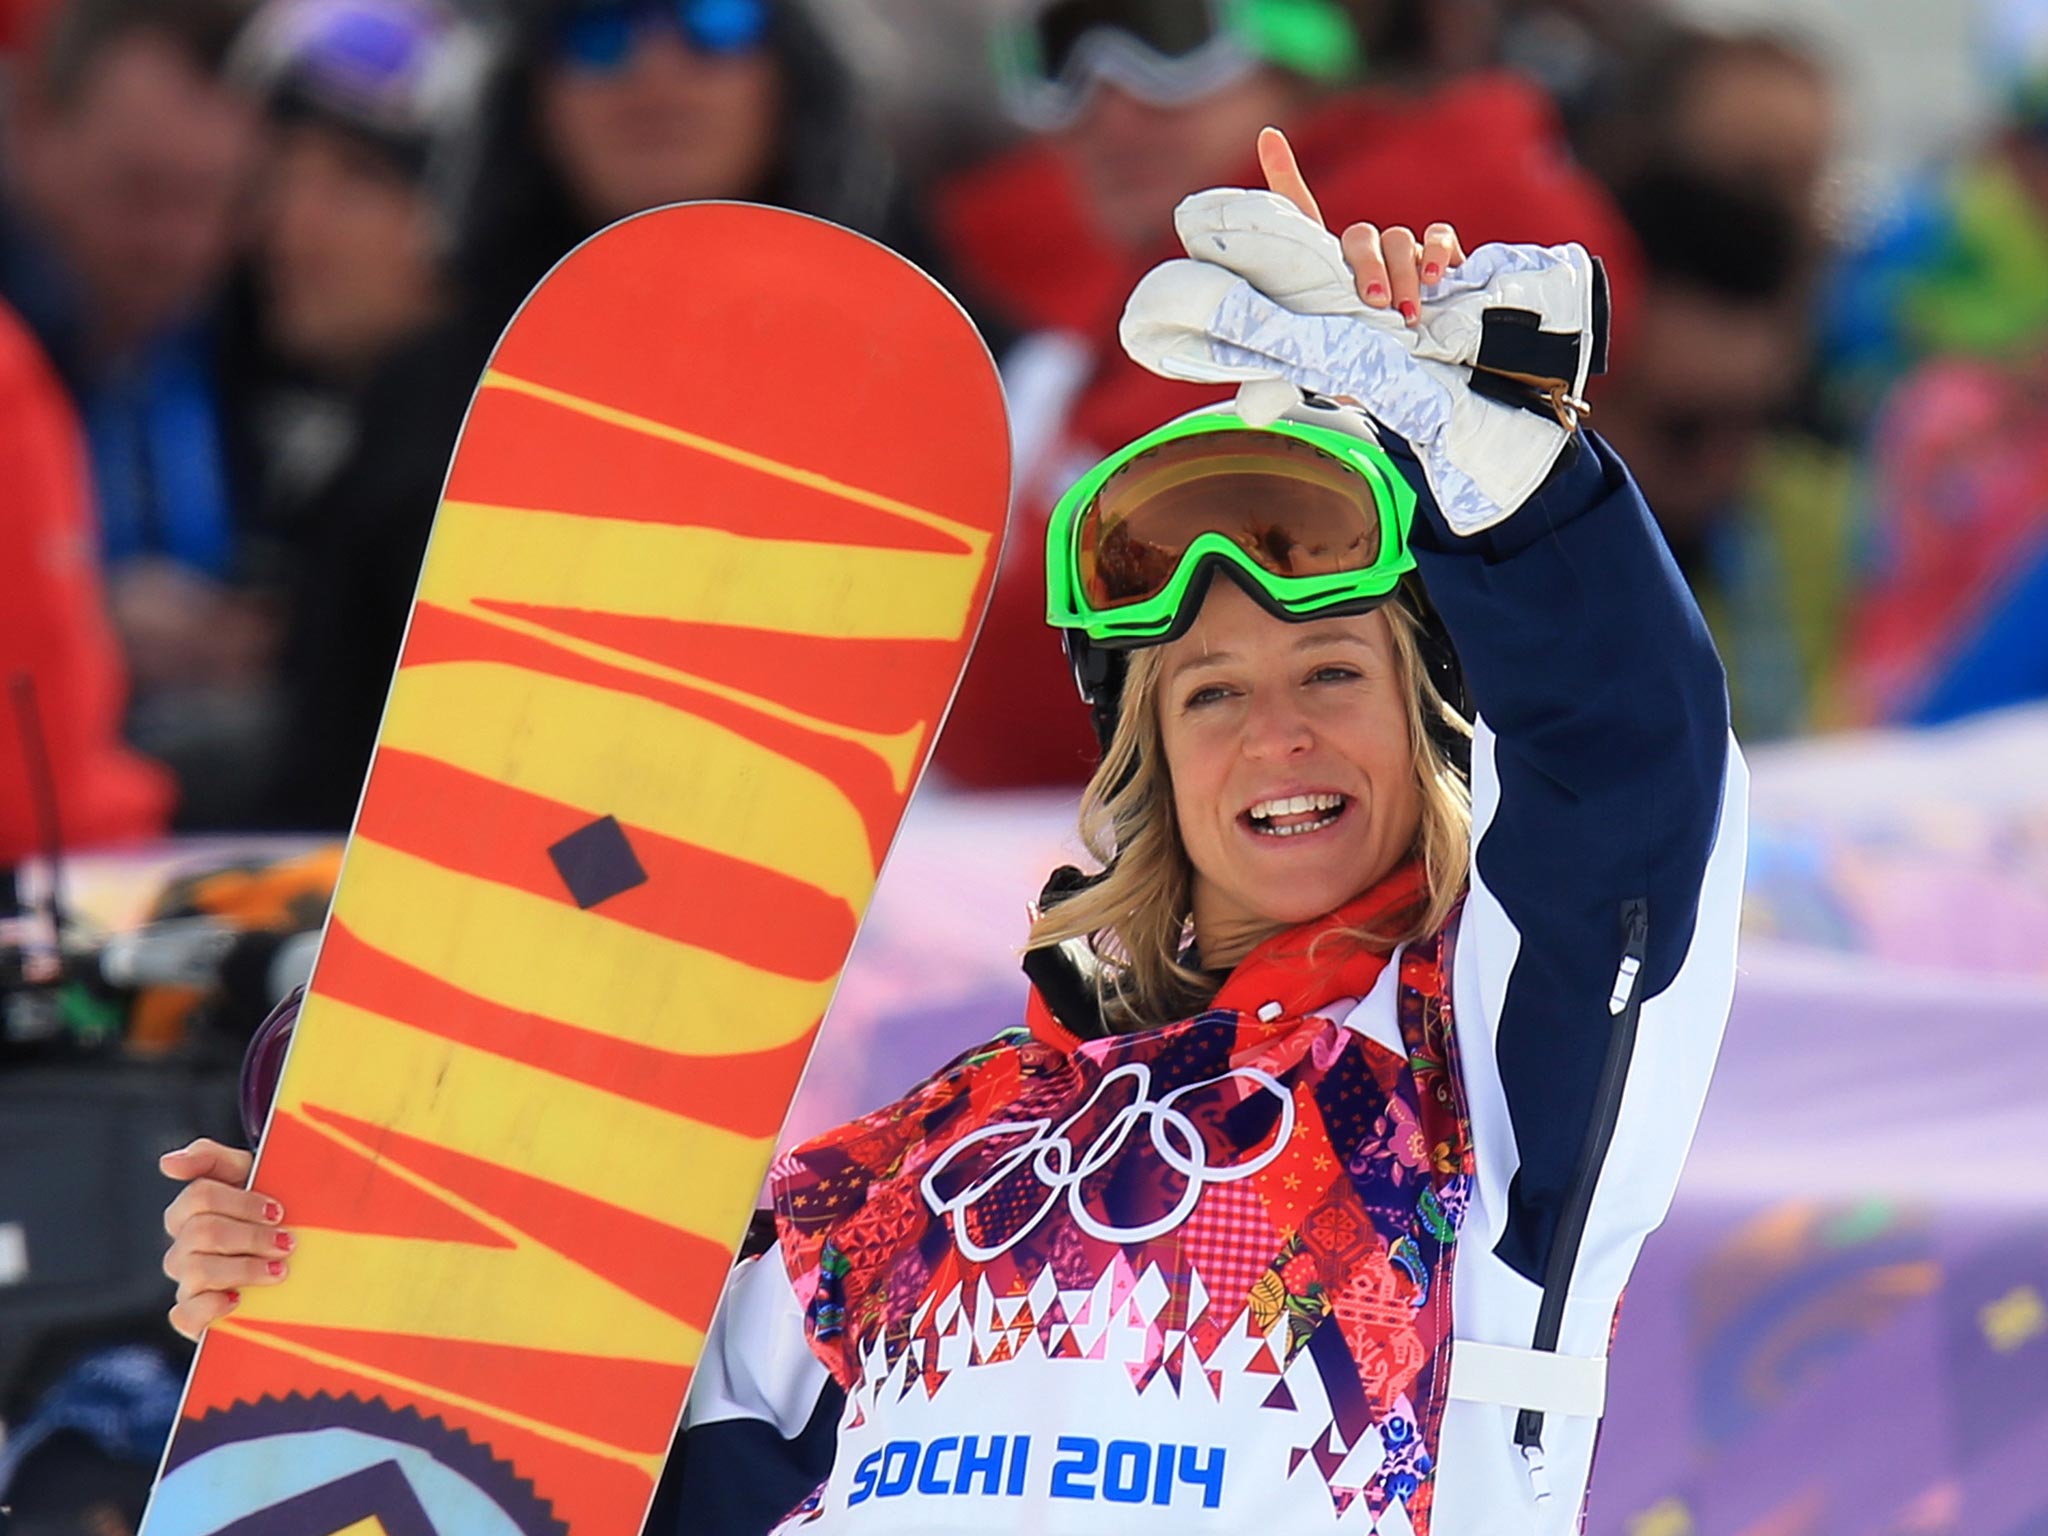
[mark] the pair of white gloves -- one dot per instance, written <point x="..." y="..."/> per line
<point x="1267" y="301"/>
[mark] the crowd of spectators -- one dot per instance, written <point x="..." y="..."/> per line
<point x="253" y="254"/>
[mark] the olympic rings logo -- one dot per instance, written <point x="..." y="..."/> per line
<point x="1050" y="1154"/>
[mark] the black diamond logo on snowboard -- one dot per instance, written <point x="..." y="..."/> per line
<point x="597" y="863"/>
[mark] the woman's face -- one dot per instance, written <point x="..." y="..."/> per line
<point x="1294" y="780"/>
<point x="667" y="125"/>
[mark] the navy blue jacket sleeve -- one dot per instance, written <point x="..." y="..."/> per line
<point x="1588" y="663"/>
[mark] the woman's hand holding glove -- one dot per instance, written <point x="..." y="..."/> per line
<point x="1486" y="385"/>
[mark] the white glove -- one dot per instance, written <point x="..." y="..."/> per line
<point x="1271" y="297"/>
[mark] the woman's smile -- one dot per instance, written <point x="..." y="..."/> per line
<point x="1298" y="813"/>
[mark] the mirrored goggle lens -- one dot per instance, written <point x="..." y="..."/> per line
<point x="1170" y="28"/>
<point x="724" y="26"/>
<point x="601" y="36"/>
<point x="1291" y="507"/>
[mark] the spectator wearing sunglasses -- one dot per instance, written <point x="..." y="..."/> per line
<point x="614" y="106"/>
<point x="1133" y="104"/>
<point x="360" y="355"/>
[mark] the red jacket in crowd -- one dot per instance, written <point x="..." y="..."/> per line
<point x="53" y="625"/>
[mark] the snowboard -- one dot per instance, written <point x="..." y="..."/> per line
<point x="710" y="558"/>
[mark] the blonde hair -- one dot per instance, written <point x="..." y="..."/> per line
<point x="1135" y="919"/>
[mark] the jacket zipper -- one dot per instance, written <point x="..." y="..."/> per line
<point x="1625" y="1005"/>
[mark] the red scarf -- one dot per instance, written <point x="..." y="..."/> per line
<point x="1289" y="968"/>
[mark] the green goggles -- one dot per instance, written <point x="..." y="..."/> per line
<point x="1312" y="521"/>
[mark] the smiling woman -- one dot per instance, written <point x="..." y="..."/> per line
<point x="1346" y="769"/>
<point x="1273" y="743"/>
<point x="1281" y="1213"/>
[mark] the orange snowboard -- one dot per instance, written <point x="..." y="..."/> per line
<point x="711" y="557"/>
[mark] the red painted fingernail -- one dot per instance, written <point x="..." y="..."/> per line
<point x="234" y="1298"/>
<point x="272" y="1212"/>
<point x="1432" y="271"/>
<point x="1410" y="311"/>
<point x="286" y="1242"/>
<point x="275" y="1266"/>
<point x="1375" y="293"/>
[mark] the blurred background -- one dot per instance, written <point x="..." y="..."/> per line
<point x="252" y="259"/>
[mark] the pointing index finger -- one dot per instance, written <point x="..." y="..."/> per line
<point x="1283" y="175"/>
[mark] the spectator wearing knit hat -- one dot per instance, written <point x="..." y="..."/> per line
<point x="361" y="355"/>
